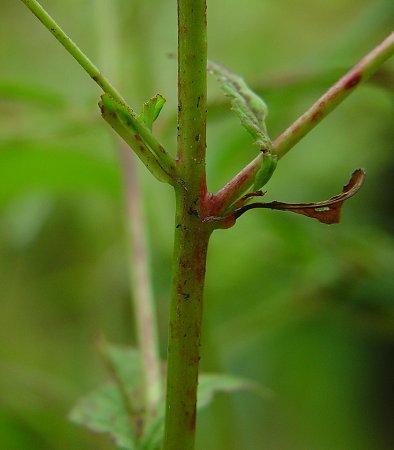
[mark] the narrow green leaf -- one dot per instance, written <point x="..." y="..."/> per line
<point x="250" y="108"/>
<point x="28" y="167"/>
<point x="152" y="109"/>
<point x="31" y="93"/>
<point x="266" y="170"/>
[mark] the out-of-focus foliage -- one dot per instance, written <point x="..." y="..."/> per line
<point x="303" y="308"/>
<point x="116" y="407"/>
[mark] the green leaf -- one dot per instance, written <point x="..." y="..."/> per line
<point x="250" y="108"/>
<point x="153" y="432"/>
<point x="209" y="384"/>
<point x="151" y="109"/>
<point x="30" y="93"/>
<point x="266" y="170"/>
<point x="212" y="383"/>
<point x="27" y="168"/>
<point x="104" y="410"/>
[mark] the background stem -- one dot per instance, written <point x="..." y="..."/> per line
<point x="141" y="286"/>
<point x="191" y="235"/>
<point x="140" y="277"/>
<point x="306" y="122"/>
<point x="334" y="96"/>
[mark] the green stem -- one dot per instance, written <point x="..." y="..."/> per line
<point x="166" y="163"/>
<point x="140" y="277"/>
<point x="73" y="49"/>
<point x="306" y="122"/>
<point x="133" y="139"/>
<point x="191" y="234"/>
<point x="144" y="306"/>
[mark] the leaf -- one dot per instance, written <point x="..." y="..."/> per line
<point x="27" y="168"/>
<point x="327" y="211"/>
<point x="151" y="110"/>
<point x="211" y="383"/>
<point x="264" y="174"/>
<point x="30" y="93"/>
<point x="104" y="410"/>
<point x="153" y="433"/>
<point x="250" y="108"/>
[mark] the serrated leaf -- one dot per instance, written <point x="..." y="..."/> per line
<point x="209" y="384"/>
<point x="151" y="109"/>
<point x="104" y="410"/>
<point x="250" y="108"/>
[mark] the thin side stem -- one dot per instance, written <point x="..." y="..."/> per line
<point x="334" y="96"/>
<point x="368" y="65"/>
<point x="72" y="48"/>
<point x="140" y="277"/>
<point x="102" y="348"/>
<point x="135" y="142"/>
<point x="191" y="234"/>
<point x="144" y="306"/>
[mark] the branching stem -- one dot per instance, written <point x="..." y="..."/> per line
<point x="367" y="66"/>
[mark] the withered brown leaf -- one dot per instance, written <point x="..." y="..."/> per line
<point x="327" y="211"/>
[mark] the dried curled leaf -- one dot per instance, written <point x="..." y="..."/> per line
<point x="327" y="211"/>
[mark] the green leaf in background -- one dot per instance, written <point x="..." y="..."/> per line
<point x="31" y="93"/>
<point x="25" y="168"/>
<point x="104" y="410"/>
<point x="210" y="384"/>
<point x="250" y="108"/>
<point x="151" y="109"/>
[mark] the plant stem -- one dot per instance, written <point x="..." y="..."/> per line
<point x="334" y="96"/>
<point x="140" y="277"/>
<point x="144" y="306"/>
<point x="191" y="234"/>
<point x="367" y="66"/>
<point x="72" y="48"/>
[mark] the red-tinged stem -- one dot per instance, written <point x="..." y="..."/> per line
<point x="368" y="65"/>
<point x="191" y="233"/>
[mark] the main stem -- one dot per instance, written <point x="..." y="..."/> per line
<point x="191" y="234"/>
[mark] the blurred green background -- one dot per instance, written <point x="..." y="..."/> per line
<point x="303" y="308"/>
